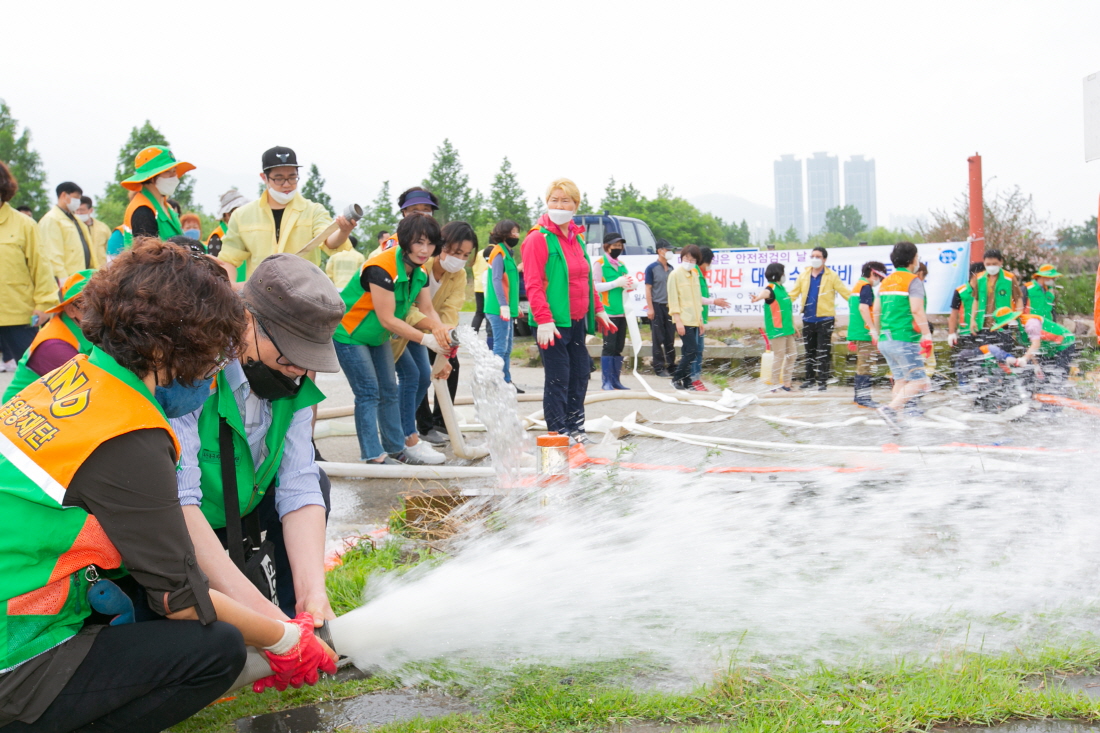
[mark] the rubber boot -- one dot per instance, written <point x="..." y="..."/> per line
<point x="617" y="372"/>
<point x="863" y="391"/>
<point x="607" y="366"/>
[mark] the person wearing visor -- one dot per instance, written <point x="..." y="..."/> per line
<point x="65" y="236"/>
<point x="415" y="200"/>
<point x="156" y="176"/>
<point x="862" y="334"/>
<point x="247" y="471"/>
<point x="281" y="220"/>
<point x="110" y="624"/>
<point x="58" y="341"/>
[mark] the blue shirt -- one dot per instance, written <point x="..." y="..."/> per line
<point x="809" y="311"/>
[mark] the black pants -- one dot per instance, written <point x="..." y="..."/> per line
<point x="270" y="524"/>
<point x="681" y="378"/>
<point x="818" y="340"/>
<point x="428" y="417"/>
<point x="14" y="341"/>
<point x="479" y="314"/>
<point x="663" y="332"/>
<point x="567" y="368"/>
<point x="613" y="343"/>
<point x="145" y="677"/>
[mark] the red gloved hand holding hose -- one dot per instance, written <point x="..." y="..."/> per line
<point x="296" y="661"/>
<point x="926" y="346"/>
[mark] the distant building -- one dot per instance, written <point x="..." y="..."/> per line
<point x="823" y="188"/>
<point x="859" y="188"/>
<point x="788" y="196"/>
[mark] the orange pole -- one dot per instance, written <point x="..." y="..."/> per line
<point x="977" y="210"/>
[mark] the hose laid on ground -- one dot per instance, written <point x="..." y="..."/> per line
<point x="458" y="444"/>
<point x="380" y="470"/>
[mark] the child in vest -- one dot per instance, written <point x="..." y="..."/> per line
<point x="862" y="335"/>
<point x="612" y="282"/>
<point x="779" y="325"/>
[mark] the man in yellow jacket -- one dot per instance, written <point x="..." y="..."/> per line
<point x="343" y="266"/>
<point x="99" y="231"/>
<point x="818" y="286"/>
<point x="64" y="236"/>
<point x="281" y="220"/>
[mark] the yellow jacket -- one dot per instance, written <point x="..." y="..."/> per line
<point x="62" y="240"/>
<point x="684" y="296"/>
<point x="28" y="282"/>
<point x="447" y="302"/>
<point x="251" y="235"/>
<point x="830" y="286"/>
<point x="480" y="267"/>
<point x="100" y="234"/>
<point x="343" y="266"/>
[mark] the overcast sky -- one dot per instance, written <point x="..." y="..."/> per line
<point x="700" y="95"/>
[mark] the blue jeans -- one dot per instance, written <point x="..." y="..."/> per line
<point x="681" y="378"/>
<point x="415" y="376"/>
<point x="567" y="367"/>
<point x="503" y="335"/>
<point x="697" y="364"/>
<point x="904" y="359"/>
<point x="370" y="372"/>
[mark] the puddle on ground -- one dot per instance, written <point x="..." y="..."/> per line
<point x="359" y="713"/>
<point x="1028" y="726"/>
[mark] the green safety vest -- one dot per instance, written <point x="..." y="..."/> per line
<point x="47" y="431"/>
<point x="778" y="315"/>
<point x="168" y="223"/>
<point x="557" y="284"/>
<point x="704" y="292"/>
<point x="857" y="327"/>
<point x="1055" y="338"/>
<point x="966" y="296"/>
<point x="252" y="482"/>
<point x="72" y="335"/>
<point x="897" y="316"/>
<point x="1039" y="301"/>
<point x="511" y="282"/>
<point x="1002" y="296"/>
<point x="613" y="298"/>
<point x="360" y="324"/>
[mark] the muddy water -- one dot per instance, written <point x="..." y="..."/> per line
<point x="357" y="713"/>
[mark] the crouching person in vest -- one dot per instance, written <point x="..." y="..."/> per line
<point x="248" y="480"/>
<point x="87" y="487"/>
<point x="58" y="341"/>
<point x="1050" y="346"/>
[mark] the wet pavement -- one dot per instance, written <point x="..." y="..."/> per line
<point x="358" y="713"/>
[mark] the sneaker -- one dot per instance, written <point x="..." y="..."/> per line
<point x="581" y="438"/>
<point x="806" y="385"/>
<point x="423" y="454"/>
<point x="891" y="418"/>
<point x="664" y="374"/>
<point x="387" y="460"/>
<point x="821" y="387"/>
<point x="435" y="437"/>
<point x="8" y="366"/>
<point x="698" y="386"/>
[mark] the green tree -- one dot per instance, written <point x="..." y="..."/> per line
<point x="585" y="208"/>
<point x="1075" y="236"/>
<point x="25" y="164"/>
<point x="379" y="214"/>
<point x="448" y="181"/>
<point x="772" y="237"/>
<point x="845" y="221"/>
<point x="507" y="199"/>
<point x="314" y="189"/>
<point x="791" y="235"/>
<point x="668" y="215"/>
<point x="112" y="204"/>
<point x="735" y="235"/>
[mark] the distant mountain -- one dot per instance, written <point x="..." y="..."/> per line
<point x="730" y="208"/>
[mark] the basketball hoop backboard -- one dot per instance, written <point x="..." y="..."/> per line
<point x="1092" y="116"/>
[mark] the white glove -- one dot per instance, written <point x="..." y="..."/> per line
<point x="952" y="339"/>
<point x="430" y="342"/>
<point x="620" y="281"/>
<point x="630" y="283"/>
<point x="546" y="334"/>
<point x="506" y="312"/>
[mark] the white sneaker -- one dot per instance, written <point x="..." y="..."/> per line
<point x="425" y="454"/>
<point x="8" y="366"/>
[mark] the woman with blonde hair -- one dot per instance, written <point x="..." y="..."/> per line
<point x="564" y="307"/>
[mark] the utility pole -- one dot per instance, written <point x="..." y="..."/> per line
<point x="977" y="210"/>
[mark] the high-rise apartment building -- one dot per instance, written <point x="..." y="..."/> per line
<point x="859" y="188"/>
<point x="788" y="196"/>
<point x="823" y="188"/>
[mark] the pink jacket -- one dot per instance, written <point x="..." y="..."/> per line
<point x="535" y="254"/>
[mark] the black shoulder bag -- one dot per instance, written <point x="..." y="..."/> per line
<point x="253" y="555"/>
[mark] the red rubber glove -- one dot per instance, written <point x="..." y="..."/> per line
<point x="300" y="664"/>
<point x="926" y="346"/>
<point x="853" y="346"/>
<point x="605" y="325"/>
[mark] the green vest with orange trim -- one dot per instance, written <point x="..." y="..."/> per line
<point x="46" y="433"/>
<point x="511" y="282"/>
<point x="857" y="327"/>
<point x="360" y="324"/>
<point x="168" y="222"/>
<point x="966" y="297"/>
<point x="1002" y="296"/>
<point x="896" y="314"/>
<point x="779" y="314"/>
<point x="613" y="298"/>
<point x="1039" y="301"/>
<point x="1055" y="337"/>
<point x="60" y="327"/>
<point x="557" y="284"/>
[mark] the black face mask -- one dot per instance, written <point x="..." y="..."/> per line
<point x="615" y="253"/>
<point x="512" y="241"/>
<point x="269" y="384"/>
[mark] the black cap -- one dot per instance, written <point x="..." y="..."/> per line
<point x="612" y="238"/>
<point x="279" y="156"/>
<point x="663" y="243"/>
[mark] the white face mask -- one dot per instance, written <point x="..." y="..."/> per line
<point x="167" y="186"/>
<point x="451" y="263"/>
<point x="86" y="218"/>
<point x="74" y="204"/>
<point x="992" y="269"/>
<point x="279" y="197"/>
<point x="816" y="262"/>
<point x="559" y="216"/>
<point x="689" y="266"/>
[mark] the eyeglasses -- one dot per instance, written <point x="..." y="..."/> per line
<point x="280" y="360"/>
<point x="282" y="180"/>
<point x="217" y="368"/>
